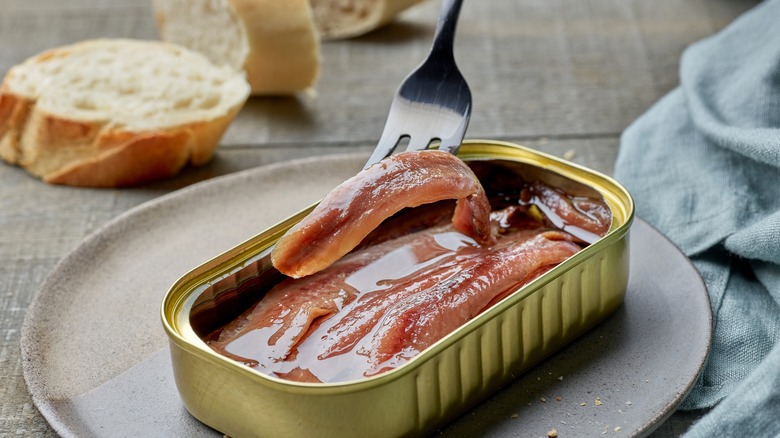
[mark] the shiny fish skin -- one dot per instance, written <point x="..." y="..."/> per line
<point x="286" y="312"/>
<point x="414" y="277"/>
<point x="419" y="321"/>
<point x="384" y="329"/>
<point x="585" y="218"/>
<point x="357" y="206"/>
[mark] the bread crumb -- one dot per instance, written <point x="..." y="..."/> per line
<point x="513" y="416"/>
<point x="568" y="155"/>
<point x="629" y="402"/>
<point x="552" y="434"/>
<point x="559" y="398"/>
<point x="582" y="404"/>
<point x="617" y="429"/>
<point x="544" y="400"/>
<point x="560" y="378"/>
<point x="597" y="402"/>
<point x="310" y="93"/>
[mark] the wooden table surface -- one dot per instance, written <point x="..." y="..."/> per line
<point x="565" y="77"/>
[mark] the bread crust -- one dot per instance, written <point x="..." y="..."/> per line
<point x="118" y="158"/>
<point x="13" y="114"/>
<point x="284" y="48"/>
<point x="62" y="149"/>
<point x="142" y="158"/>
<point x="383" y="12"/>
<point x="282" y="55"/>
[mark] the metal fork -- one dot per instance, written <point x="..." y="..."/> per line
<point x="433" y="103"/>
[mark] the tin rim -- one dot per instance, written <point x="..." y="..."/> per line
<point x="175" y="302"/>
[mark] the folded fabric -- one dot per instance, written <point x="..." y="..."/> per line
<point x="704" y="167"/>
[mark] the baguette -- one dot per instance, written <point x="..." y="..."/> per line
<point x="337" y="19"/>
<point x="274" y="41"/>
<point x="113" y="113"/>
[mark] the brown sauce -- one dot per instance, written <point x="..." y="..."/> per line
<point x="355" y="332"/>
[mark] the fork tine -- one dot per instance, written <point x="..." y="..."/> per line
<point x="433" y="102"/>
<point x="386" y="145"/>
<point x="418" y="143"/>
<point x="382" y="151"/>
<point x="452" y="144"/>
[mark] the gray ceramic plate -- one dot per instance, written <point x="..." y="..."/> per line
<point x="96" y="360"/>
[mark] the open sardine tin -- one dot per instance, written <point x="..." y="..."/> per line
<point x="434" y="387"/>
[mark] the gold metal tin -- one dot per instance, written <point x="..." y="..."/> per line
<point x="441" y="382"/>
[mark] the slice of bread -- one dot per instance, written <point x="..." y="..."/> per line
<point x="349" y="18"/>
<point x="274" y="41"/>
<point x="112" y="113"/>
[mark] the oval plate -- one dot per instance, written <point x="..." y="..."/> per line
<point x="96" y="361"/>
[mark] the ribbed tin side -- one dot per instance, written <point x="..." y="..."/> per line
<point x="521" y="336"/>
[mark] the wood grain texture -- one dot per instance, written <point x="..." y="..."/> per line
<point x="563" y="76"/>
<point x="554" y="68"/>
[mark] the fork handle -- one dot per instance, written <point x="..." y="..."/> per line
<point x="444" y="36"/>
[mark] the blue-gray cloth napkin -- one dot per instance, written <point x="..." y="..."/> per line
<point x="704" y="167"/>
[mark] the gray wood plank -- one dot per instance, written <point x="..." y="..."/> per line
<point x="567" y="67"/>
<point x="26" y="32"/>
<point x="535" y="68"/>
